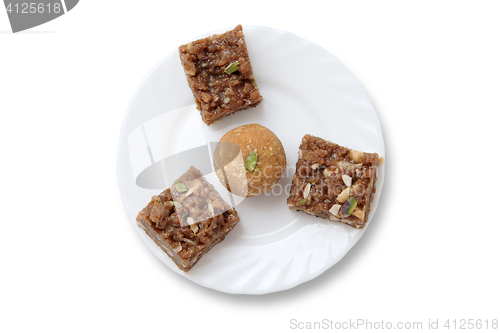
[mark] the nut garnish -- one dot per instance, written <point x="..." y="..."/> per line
<point x="315" y="166"/>
<point x="348" y="207"/>
<point x="194" y="228"/>
<point x="251" y="161"/>
<point x="210" y="208"/>
<point x="344" y="195"/>
<point x="190" y="220"/>
<point x="335" y="209"/>
<point x="177" y="248"/>
<point x="347" y="180"/>
<point x="302" y="202"/>
<point x="233" y="67"/>
<point x="356" y="155"/>
<point x="327" y="172"/>
<point x="193" y="188"/>
<point x="300" y="153"/>
<point x="358" y="213"/>
<point x="181" y="187"/>
<point x="307" y="189"/>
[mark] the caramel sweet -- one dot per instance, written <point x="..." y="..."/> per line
<point x="220" y="75"/>
<point x="187" y="219"/>
<point x="333" y="182"/>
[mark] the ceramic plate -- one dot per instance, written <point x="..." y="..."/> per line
<point x="305" y="90"/>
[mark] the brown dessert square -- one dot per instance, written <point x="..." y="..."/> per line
<point x="333" y="182"/>
<point x="220" y="75"/>
<point x="187" y="219"/>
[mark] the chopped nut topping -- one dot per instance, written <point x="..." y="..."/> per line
<point x="210" y="207"/>
<point x="344" y="195"/>
<point x="315" y="166"/>
<point x="327" y="173"/>
<point x="233" y="67"/>
<point x="335" y="209"/>
<point x="190" y="220"/>
<point x="307" y="189"/>
<point x="347" y="180"/>
<point x="356" y="155"/>
<point x="178" y="248"/>
<point x="358" y="213"/>
<point x="348" y="207"/>
<point x="251" y="161"/>
<point x="181" y="187"/>
<point x="194" y="228"/>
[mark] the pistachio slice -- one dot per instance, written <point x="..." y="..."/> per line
<point x="251" y="161"/>
<point x="233" y="67"/>
<point x="181" y="187"/>
<point x="348" y="207"/>
<point x="302" y="202"/>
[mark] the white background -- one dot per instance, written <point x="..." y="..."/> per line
<point x="70" y="260"/>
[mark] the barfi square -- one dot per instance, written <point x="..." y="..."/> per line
<point x="187" y="219"/>
<point x="333" y="182"/>
<point x="220" y="75"/>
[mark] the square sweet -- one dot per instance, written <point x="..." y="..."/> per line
<point x="333" y="182"/>
<point x="220" y="75"/>
<point x="187" y="219"/>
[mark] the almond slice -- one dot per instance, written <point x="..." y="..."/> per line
<point x="194" y="228"/>
<point x="347" y="180"/>
<point x="307" y="189"/>
<point x="210" y="208"/>
<point x="335" y="209"/>
<point x="356" y="155"/>
<point x="344" y="195"/>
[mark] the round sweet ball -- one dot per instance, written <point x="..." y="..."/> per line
<point x="249" y="160"/>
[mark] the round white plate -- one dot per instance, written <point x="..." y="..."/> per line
<point x="305" y="90"/>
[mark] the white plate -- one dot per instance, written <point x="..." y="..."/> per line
<point x="305" y="90"/>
